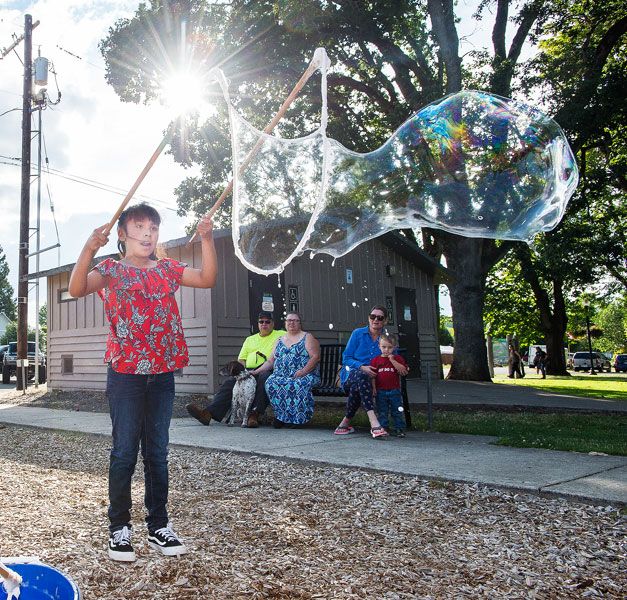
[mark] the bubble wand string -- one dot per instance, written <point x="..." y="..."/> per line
<point x="311" y="69"/>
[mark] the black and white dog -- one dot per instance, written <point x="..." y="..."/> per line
<point x="243" y="392"/>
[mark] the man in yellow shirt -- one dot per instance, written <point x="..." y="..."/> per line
<point x="255" y="351"/>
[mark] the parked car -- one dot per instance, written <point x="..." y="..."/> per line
<point x="581" y="362"/>
<point x="3" y="349"/>
<point x="9" y="363"/>
<point x="620" y="363"/>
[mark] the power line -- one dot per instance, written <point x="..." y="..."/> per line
<point x="90" y="182"/>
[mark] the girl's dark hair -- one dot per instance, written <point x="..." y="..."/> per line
<point x="137" y="212"/>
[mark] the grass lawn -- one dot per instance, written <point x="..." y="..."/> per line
<point x="526" y="429"/>
<point x="600" y="386"/>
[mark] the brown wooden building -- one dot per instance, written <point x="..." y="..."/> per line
<point x="333" y="299"/>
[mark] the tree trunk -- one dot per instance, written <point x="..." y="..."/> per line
<point x="553" y="322"/>
<point x="464" y="257"/>
<point x="556" y="361"/>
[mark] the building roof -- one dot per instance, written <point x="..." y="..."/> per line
<point x="394" y="240"/>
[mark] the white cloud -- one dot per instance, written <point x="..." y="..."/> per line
<point x="90" y="133"/>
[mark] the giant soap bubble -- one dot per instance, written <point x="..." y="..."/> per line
<point x="472" y="164"/>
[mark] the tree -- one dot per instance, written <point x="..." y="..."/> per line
<point x="10" y="335"/>
<point x="43" y="326"/>
<point x="509" y="303"/>
<point x="582" y="72"/>
<point x="7" y="302"/>
<point x="613" y="322"/>
<point x="389" y="65"/>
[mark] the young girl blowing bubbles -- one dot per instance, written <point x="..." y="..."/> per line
<point x="145" y="346"/>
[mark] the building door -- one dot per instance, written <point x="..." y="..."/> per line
<point x="407" y="322"/>
<point x="265" y="293"/>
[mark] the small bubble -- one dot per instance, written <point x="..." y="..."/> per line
<point x="365" y="299"/>
<point x="330" y="325"/>
<point x="480" y="217"/>
<point x="333" y="262"/>
<point x="400" y="409"/>
<point x="354" y="303"/>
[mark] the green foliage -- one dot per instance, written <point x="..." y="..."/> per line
<point x="613" y="321"/>
<point x="509" y="304"/>
<point x="7" y="302"/>
<point x="391" y="59"/>
<point x="445" y="337"/>
<point x="10" y="335"/>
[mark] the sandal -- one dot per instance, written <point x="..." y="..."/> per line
<point x="344" y="430"/>
<point x="379" y="432"/>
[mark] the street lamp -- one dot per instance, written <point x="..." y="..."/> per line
<point x="586" y="304"/>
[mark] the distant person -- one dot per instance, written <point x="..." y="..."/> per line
<point x="255" y="351"/>
<point x="539" y="361"/>
<point x="357" y="374"/>
<point x="387" y="384"/>
<point x="293" y="371"/>
<point x="514" y="362"/>
<point x="144" y="347"/>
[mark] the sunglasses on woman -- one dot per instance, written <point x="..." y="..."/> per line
<point x="376" y="317"/>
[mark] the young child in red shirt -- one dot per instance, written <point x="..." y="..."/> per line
<point x="387" y="384"/>
<point x="145" y="346"/>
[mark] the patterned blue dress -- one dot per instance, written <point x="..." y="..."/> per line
<point x="292" y="400"/>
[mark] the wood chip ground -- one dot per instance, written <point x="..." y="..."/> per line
<point x="263" y="528"/>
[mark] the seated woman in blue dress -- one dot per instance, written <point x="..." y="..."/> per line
<point x="294" y="362"/>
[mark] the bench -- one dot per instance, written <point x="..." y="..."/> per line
<point x="330" y="361"/>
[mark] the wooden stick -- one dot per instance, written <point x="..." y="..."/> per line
<point x="8" y="575"/>
<point x="311" y="69"/>
<point x="142" y="175"/>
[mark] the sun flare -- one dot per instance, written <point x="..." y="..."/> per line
<point x="183" y="92"/>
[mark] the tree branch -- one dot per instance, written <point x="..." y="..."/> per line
<point x="499" y="29"/>
<point x="386" y="105"/>
<point x="443" y="23"/>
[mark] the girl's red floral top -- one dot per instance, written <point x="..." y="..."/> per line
<point x="146" y="335"/>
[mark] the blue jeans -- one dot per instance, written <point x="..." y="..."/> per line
<point x="390" y="401"/>
<point x="141" y="409"/>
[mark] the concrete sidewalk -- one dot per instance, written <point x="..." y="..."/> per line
<point x="486" y="393"/>
<point x="451" y="457"/>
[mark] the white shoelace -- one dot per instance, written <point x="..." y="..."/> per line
<point x="122" y="536"/>
<point x="168" y="533"/>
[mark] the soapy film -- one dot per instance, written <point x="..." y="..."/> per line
<point x="472" y="164"/>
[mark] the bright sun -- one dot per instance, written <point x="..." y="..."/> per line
<point x="183" y="92"/>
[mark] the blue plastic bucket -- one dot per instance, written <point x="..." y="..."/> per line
<point x="41" y="582"/>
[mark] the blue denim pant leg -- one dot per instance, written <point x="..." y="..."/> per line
<point x="390" y="401"/>
<point x="395" y="400"/>
<point x="141" y="409"/>
<point x="383" y="408"/>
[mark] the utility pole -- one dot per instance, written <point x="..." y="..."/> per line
<point x="22" y="281"/>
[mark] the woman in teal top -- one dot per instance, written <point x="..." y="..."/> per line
<point x="357" y="374"/>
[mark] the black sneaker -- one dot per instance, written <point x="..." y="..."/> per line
<point x="399" y="433"/>
<point x="166" y="542"/>
<point x="120" y="545"/>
